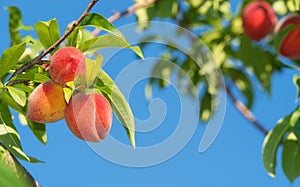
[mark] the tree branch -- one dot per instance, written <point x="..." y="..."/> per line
<point x="126" y="12"/>
<point x="237" y="103"/>
<point x="38" y="59"/>
<point x="246" y="112"/>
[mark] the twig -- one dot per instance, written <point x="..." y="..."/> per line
<point x="37" y="60"/>
<point x="126" y="12"/>
<point x="238" y="104"/>
<point x="246" y="112"/>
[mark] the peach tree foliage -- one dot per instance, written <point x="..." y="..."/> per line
<point x="243" y="62"/>
<point x="16" y="87"/>
<point x="243" y="65"/>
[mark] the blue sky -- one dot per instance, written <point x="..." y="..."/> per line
<point x="233" y="160"/>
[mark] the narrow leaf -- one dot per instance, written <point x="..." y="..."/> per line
<point x="271" y="143"/>
<point x="15" y="22"/>
<point x="98" y="21"/>
<point x="296" y="81"/>
<point x="206" y="107"/>
<point x="291" y="157"/>
<point x="10" y="58"/>
<point x="8" y="175"/>
<point x="48" y="32"/>
<point x="9" y="135"/>
<point x="92" y="69"/>
<point x="39" y="130"/>
<point x="18" y="95"/>
<point x="119" y="104"/>
<point x="68" y="92"/>
<point x="108" y="41"/>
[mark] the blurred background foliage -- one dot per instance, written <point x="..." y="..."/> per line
<point x="247" y="66"/>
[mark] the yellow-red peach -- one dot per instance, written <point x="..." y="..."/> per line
<point x="258" y="19"/>
<point x="66" y="64"/>
<point x="89" y="116"/>
<point x="46" y="103"/>
<point x="290" y="45"/>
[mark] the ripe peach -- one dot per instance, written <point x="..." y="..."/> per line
<point x="290" y="45"/>
<point x="65" y="64"/>
<point x="258" y="20"/>
<point x="89" y="116"/>
<point x="46" y="103"/>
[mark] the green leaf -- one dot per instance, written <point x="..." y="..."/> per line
<point x="10" y="58"/>
<point x="119" y="104"/>
<point x="15" y="22"/>
<point x="206" y="107"/>
<point x="12" y="103"/>
<point x="108" y="41"/>
<point x="32" y="75"/>
<point x="74" y="38"/>
<point x="291" y="157"/>
<point x="137" y="51"/>
<point x="8" y="175"/>
<point x="242" y="82"/>
<point x="9" y="136"/>
<point x="295" y="122"/>
<point x="117" y="39"/>
<point x="258" y="60"/>
<point x="18" y="95"/>
<point x="39" y="130"/>
<point x="92" y="69"/>
<point x="48" y="32"/>
<point x="296" y="81"/>
<point x="271" y="143"/>
<point x="100" y="22"/>
<point x="68" y="92"/>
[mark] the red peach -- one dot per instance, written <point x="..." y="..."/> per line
<point x="290" y="45"/>
<point x="89" y="116"/>
<point x="258" y="20"/>
<point x="46" y="103"/>
<point x="65" y="64"/>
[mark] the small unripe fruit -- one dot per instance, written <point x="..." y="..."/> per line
<point x="66" y="64"/>
<point x="89" y="116"/>
<point x="46" y="103"/>
<point x="258" y="20"/>
<point x="290" y="45"/>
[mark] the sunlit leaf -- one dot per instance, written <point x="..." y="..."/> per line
<point x="108" y="41"/>
<point x="271" y="143"/>
<point x="18" y="95"/>
<point x="39" y="130"/>
<point x="9" y="136"/>
<point x="296" y="81"/>
<point x="10" y="58"/>
<point x="92" y="69"/>
<point x="48" y="32"/>
<point x="8" y="175"/>
<point x="98" y="21"/>
<point x="295" y="122"/>
<point x="119" y="104"/>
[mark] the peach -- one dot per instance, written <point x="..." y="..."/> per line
<point x="89" y="116"/>
<point x="290" y="45"/>
<point x="46" y="103"/>
<point x="66" y="64"/>
<point x="258" y="20"/>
